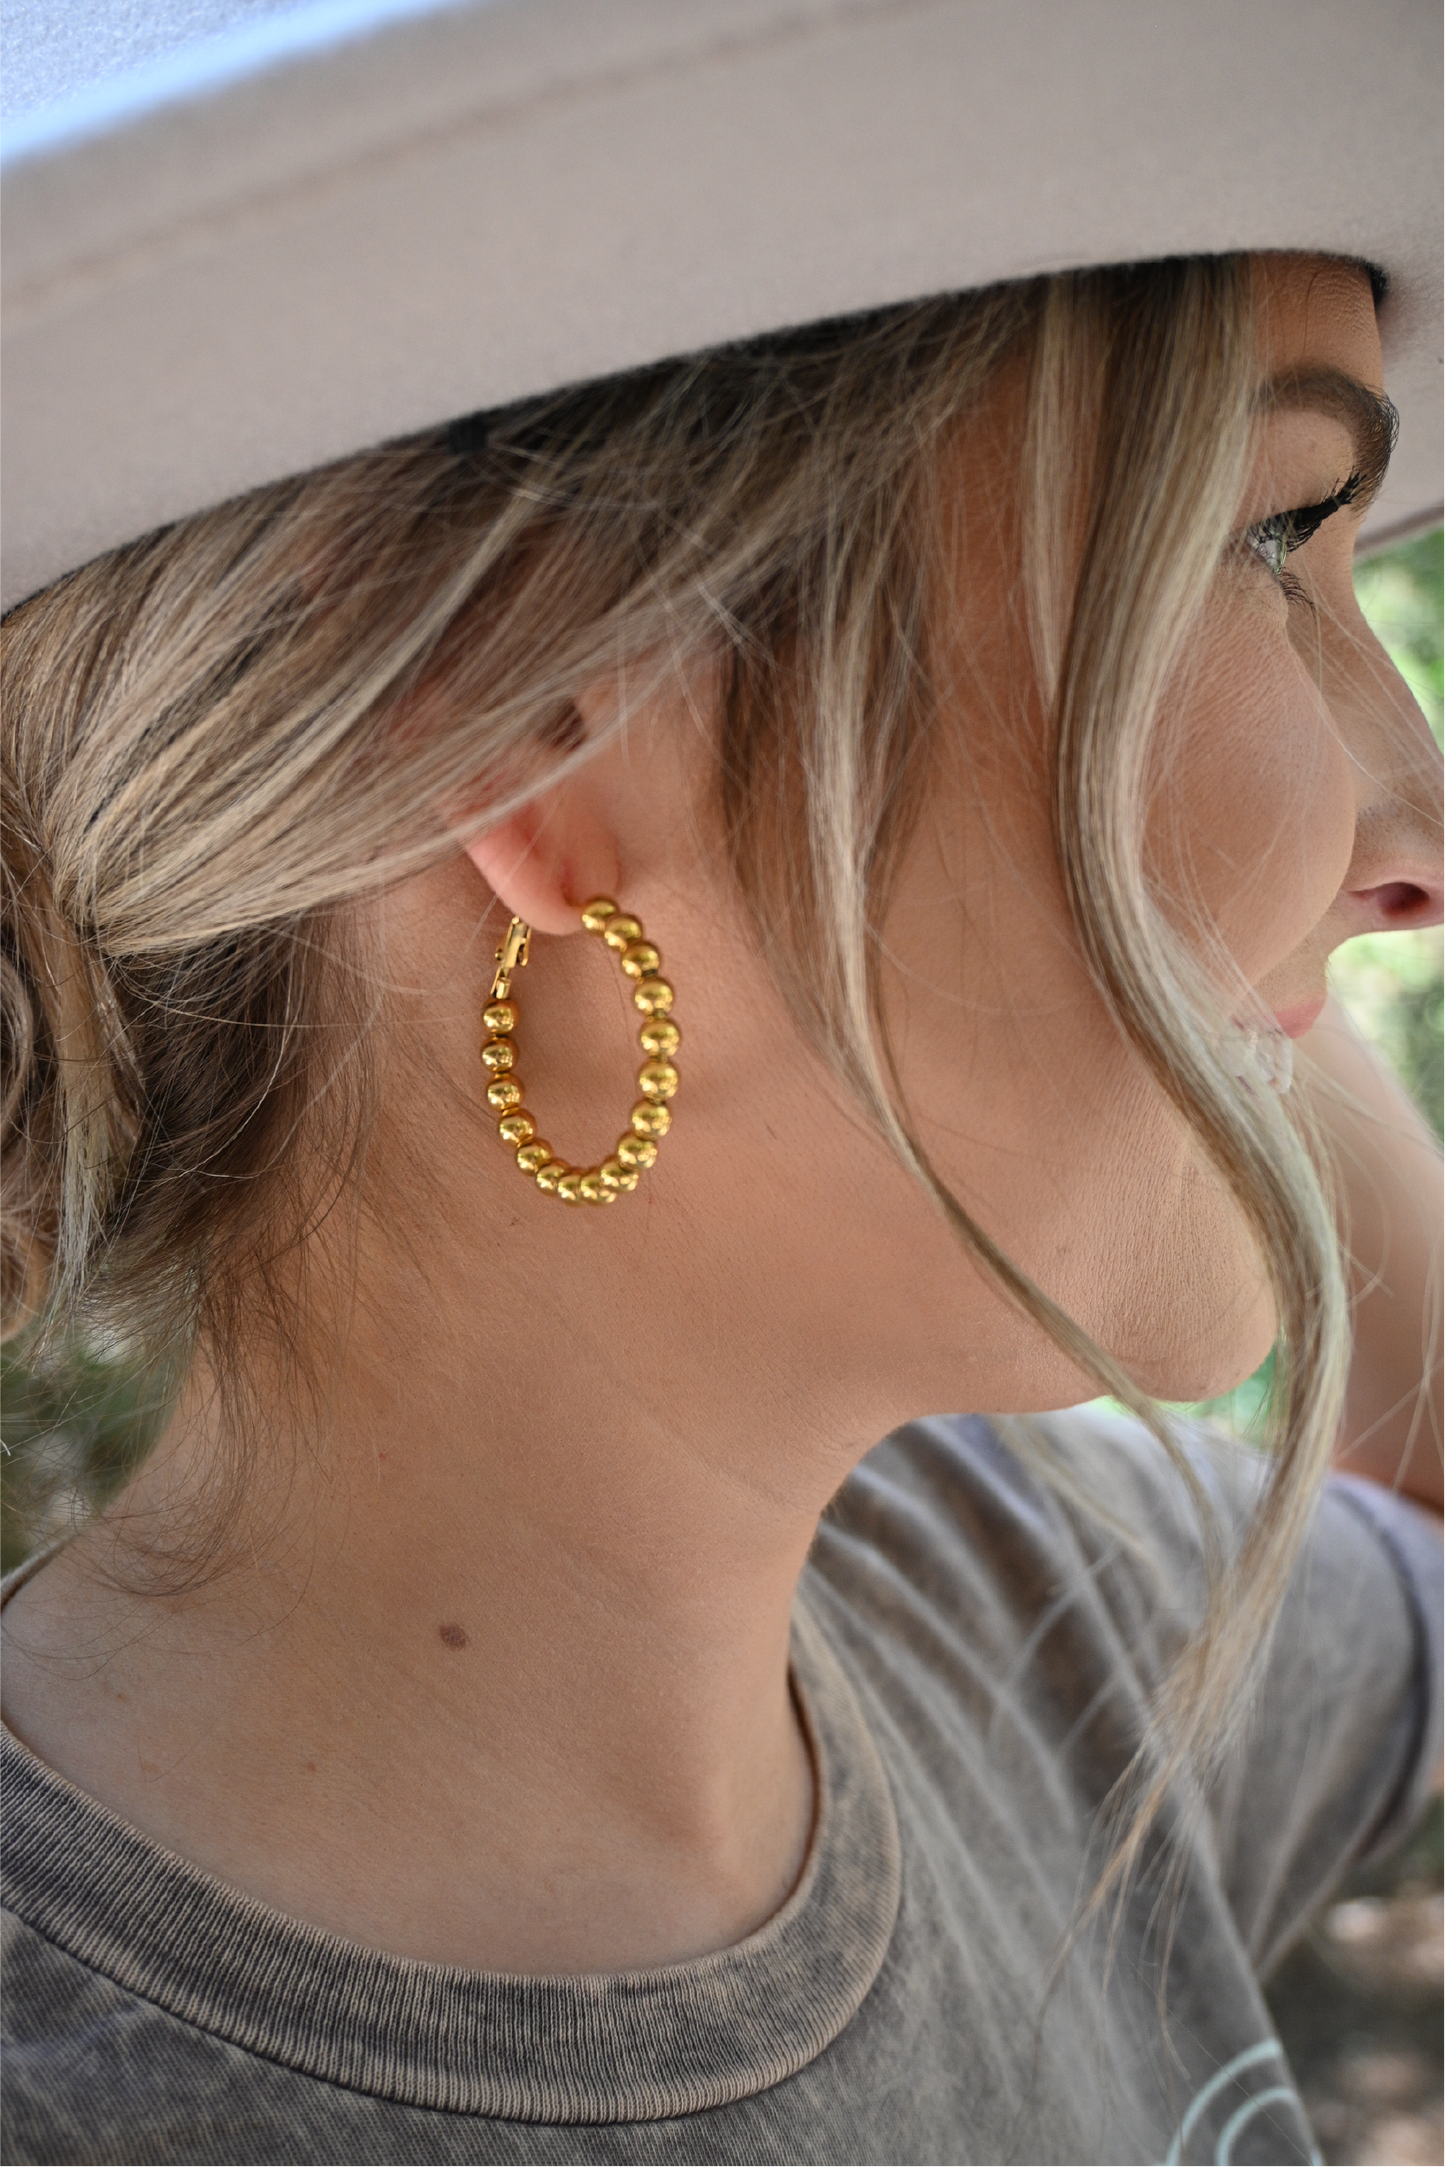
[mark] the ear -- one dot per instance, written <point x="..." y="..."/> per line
<point x="546" y="860"/>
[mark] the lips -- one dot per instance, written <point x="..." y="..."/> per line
<point x="1294" y="1022"/>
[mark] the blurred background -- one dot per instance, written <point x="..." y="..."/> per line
<point x="1358" y="2001"/>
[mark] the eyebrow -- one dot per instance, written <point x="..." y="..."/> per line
<point x="1369" y="417"/>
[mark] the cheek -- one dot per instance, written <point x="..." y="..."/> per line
<point x="1252" y="819"/>
<point x="1039" y="1118"/>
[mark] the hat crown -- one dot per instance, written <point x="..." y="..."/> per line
<point x="242" y="240"/>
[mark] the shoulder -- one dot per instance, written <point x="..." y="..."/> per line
<point x="971" y="1565"/>
<point x="1083" y="1518"/>
<point x="1057" y="1567"/>
<point x="1017" y="1512"/>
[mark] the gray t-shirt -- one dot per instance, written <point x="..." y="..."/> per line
<point x="973" y="1657"/>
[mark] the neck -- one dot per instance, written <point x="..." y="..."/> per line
<point x="495" y="1671"/>
<point x="501" y="1679"/>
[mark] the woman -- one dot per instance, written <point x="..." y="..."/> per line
<point x="503" y="1718"/>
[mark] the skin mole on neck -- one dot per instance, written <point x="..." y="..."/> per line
<point x="452" y="1636"/>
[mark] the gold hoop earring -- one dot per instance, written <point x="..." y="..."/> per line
<point x="657" y="1079"/>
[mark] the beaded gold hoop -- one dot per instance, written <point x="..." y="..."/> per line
<point x="657" y="1079"/>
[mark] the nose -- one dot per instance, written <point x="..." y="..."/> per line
<point x="1394" y="881"/>
<point x="1396" y="906"/>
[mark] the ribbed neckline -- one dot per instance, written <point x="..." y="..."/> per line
<point x="615" y="2047"/>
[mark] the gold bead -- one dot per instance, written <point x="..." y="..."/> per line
<point x="640" y="959"/>
<point x="636" y="1152"/>
<point x="660" y="1037"/>
<point x="653" y="996"/>
<point x="657" y="1080"/>
<point x="614" y="1175"/>
<point x="549" y="1172"/>
<point x="533" y="1156"/>
<point x="650" y="1120"/>
<point x="516" y="1128"/>
<point x="503" y="1093"/>
<point x="596" y="913"/>
<point x="595" y="1189"/>
<point x="620" y="929"/>
<point x="498" y="1054"/>
<point x="569" y="1188"/>
<point x="500" y="1017"/>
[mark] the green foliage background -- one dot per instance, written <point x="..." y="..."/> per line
<point x="60" y="1446"/>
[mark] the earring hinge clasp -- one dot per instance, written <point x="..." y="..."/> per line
<point x="513" y="953"/>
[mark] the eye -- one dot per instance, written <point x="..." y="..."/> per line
<point x="1273" y="540"/>
<point x="1270" y="541"/>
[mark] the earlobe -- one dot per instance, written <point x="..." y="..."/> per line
<point x="545" y="860"/>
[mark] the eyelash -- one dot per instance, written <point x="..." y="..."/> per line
<point x="1274" y="539"/>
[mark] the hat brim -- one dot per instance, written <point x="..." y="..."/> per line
<point x="293" y="246"/>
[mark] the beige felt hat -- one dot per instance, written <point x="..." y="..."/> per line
<point x="241" y="240"/>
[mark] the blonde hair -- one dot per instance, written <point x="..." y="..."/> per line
<point x="218" y="737"/>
